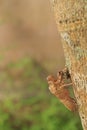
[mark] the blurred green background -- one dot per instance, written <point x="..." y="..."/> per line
<point x="30" y="49"/>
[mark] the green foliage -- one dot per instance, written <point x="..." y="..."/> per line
<point x="28" y="104"/>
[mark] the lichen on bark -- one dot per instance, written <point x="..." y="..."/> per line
<point x="71" y="19"/>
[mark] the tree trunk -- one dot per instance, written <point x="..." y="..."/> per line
<point x="71" y="19"/>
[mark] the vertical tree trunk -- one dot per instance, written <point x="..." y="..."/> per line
<point x="71" y="19"/>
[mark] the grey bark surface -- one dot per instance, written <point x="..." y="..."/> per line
<point x="71" y="19"/>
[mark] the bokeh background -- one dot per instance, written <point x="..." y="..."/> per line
<point x="30" y="49"/>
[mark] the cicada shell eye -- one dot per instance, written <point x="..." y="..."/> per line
<point x="50" y="83"/>
<point x="52" y="89"/>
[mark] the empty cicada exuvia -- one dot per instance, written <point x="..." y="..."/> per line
<point x="58" y="87"/>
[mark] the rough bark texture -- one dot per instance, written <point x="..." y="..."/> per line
<point x="71" y="19"/>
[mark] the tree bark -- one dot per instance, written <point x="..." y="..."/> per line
<point x="71" y="19"/>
